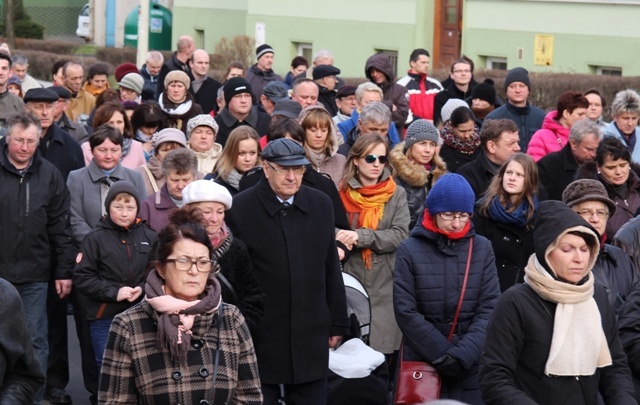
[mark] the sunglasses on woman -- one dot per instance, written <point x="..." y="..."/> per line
<point x="372" y="158"/>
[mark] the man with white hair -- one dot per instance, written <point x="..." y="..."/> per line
<point x="366" y="93"/>
<point x="19" y="69"/>
<point x="150" y="72"/>
<point x="374" y="117"/>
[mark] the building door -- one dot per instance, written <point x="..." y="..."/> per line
<point x="447" y="32"/>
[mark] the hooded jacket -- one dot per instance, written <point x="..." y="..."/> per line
<point x="333" y="162"/>
<point x="112" y="257"/>
<point x="393" y="93"/>
<point x="552" y="137"/>
<point x="521" y="328"/>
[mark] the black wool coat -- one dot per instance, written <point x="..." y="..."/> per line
<point x="557" y="170"/>
<point x="206" y="95"/>
<point x="512" y="247"/>
<point x="296" y="263"/>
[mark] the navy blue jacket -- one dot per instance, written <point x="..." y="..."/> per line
<point x="427" y="282"/>
<point x="528" y="119"/>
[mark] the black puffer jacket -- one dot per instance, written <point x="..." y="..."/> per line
<point x="112" y="257"/>
<point x="393" y="93"/>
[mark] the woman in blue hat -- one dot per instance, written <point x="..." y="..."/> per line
<point x="429" y="280"/>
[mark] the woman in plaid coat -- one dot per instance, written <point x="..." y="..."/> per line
<point x="181" y="345"/>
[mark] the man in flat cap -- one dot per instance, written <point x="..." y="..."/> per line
<point x="238" y="110"/>
<point x="326" y="77"/>
<point x="273" y="92"/>
<point x="76" y="130"/>
<point x="305" y="305"/>
<point x="261" y="73"/>
<point x="57" y="146"/>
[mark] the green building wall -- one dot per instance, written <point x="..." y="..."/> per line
<point x="586" y="35"/>
<point x="353" y="30"/>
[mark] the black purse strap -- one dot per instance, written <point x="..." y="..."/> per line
<point x="217" y="356"/>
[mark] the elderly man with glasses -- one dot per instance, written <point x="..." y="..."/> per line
<point x="288" y="231"/>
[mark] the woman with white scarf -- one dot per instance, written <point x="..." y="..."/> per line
<point x="553" y="339"/>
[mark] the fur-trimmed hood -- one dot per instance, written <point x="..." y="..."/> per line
<point x="412" y="174"/>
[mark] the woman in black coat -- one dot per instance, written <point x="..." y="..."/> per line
<point x="237" y="280"/>
<point x="427" y="283"/>
<point x="553" y="339"/>
<point x="505" y="217"/>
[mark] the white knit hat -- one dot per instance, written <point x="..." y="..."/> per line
<point x="206" y="191"/>
<point x="450" y="106"/>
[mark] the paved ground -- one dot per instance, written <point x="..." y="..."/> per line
<point x="79" y="395"/>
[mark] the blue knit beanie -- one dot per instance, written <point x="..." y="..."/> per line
<point x="451" y="193"/>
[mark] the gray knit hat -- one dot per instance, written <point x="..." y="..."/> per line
<point x="450" y="106"/>
<point x="202" y="120"/>
<point x="418" y="131"/>
<point x="587" y="190"/>
<point x="132" y="81"/>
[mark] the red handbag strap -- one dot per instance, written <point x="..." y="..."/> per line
<point x="464" y="289"/>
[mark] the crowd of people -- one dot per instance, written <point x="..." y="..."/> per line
<point x="198" y="231"/>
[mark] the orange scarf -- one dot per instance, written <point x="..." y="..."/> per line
<point x="94" y="92"/>
<point x="367" y="203"/>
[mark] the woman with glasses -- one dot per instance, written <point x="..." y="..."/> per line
<point x="505" y="217"/>
<point x="613" y="268"/>
<point x="379" y="216"/>
<point x="181" y="345"/>
<point x="613" y="167"/>
<point x="112" y="262"/>
<point x="431" y="266"/>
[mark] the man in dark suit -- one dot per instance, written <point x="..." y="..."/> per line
<point x="305" y="304"/>
<point x="203" y="88"/>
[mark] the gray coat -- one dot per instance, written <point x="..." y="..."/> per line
<point x="393" y="228"/>
<point x="87" y="201"/>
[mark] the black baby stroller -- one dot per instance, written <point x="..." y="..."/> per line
<point x="357" y="373"/>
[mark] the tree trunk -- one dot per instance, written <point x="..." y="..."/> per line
<point x="8" y="24"/>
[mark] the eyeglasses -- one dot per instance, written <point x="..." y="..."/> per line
<point x="462" y="71"/>
<point x="602" y="214"/>
<point x="372" y="158"/>
<point x="297" y="170"/>
<point x="185" y="263"/>
<point x="29" y="142"/>
<point x="450" y="216"/>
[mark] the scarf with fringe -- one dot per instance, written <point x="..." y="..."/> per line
<point x="367" y="203"/>
<point x="578" y="345"/>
